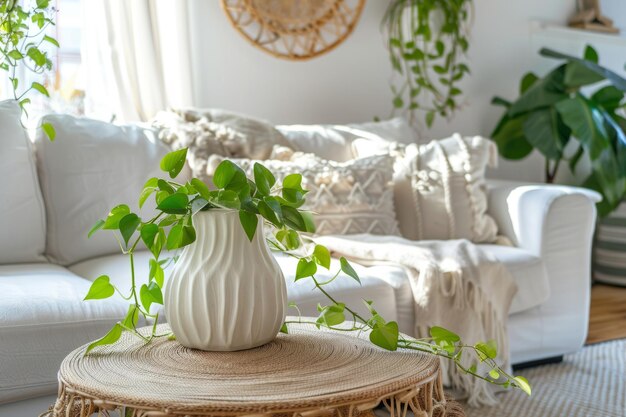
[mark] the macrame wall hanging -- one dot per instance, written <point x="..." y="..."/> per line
<point x="294" y="29"/>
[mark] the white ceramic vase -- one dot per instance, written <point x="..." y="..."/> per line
<point x="225" y="293"/>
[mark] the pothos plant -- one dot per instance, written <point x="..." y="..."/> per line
<point x="427" y="40"/>
<point x="22" y="34"/>
<point x="279" y="206"/>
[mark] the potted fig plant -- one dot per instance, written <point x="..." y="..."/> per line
<point x="204" y="223"/>
<point x="576" y="113"/>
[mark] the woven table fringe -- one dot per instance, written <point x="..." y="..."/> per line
<point x="425" y="401"/>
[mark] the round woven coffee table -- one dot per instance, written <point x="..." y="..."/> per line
<point x="307" y="373"/>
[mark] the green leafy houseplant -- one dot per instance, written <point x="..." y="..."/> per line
<point x="277" y="204"/>
<point x="556" y="111"/>
<point x="20" y="44"/>
<point x="426" y="40"/>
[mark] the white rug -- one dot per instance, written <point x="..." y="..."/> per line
<point x="590" y="383"/>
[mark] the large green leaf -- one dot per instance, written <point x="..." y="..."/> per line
<point x="305" y="269"/>
<point x="263" y="178"/>
<point x="116" y="214"/>
<point x="249" y="222"/>
<point x="101" y="288"/>
<point x="609" y="97"/>
<point x="488" y="350"/>
<point x="522" y="383"/>
<point x="545" y="130"/>
<point x="180" y="236"/>
<point x="385" y="335"/>
<point x="591" y="54"/>
<point x="587" y="123"/>
<point x="440" y="334"/>
<point x="173" y="162"/>
<point x="331" y="315"/>
<point x="615" y="79"/>
<point x="174" y="204"/>
<point x="577" y="75"/>
<point x="617" y="137"/>
<point x="347" y="269"/>
<point x="270" y="209"/>
<point x="150" y="294"/>
<point x="111" y="337"/>
<point x="293" y="218"/>
<point x="510" y="139"/>
<point x="229" y="176"/>
<point x="545" y="92"/>
<point x="128" y="226"/>
<point x="321" y="256"/>
<point x="527" y="81"/>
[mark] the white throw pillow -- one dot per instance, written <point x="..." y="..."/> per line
<point x="207" y="132"/>
<point x="334" y="142"/>
<point x="22" y="219"/>
<point x="440" y="186"/>
<point x="90" y="168"/>
<point x="440" y="190"/>
<point x="347" y="197"/>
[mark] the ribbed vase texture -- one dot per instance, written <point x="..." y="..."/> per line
<point x="225" y="292"/>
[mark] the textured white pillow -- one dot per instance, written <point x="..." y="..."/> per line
<point x="334" y="142"/>
<point x="440" y="190"/>
<point x="91" y="167"/>
<point x="22" y="219"/>
<point x="207" y="132"/>
<point x="348" y="197"/>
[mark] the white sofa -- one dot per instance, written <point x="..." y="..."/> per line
<point x="43" y="317"/>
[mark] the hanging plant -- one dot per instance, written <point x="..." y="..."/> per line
<point x="427" y="41"/>
<point x="22" y="34"/>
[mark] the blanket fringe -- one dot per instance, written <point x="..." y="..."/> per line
<point x="465" y="296"/>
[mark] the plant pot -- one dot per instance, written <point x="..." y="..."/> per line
<point x="609" y="257"/>
<point x="225" y="292"/>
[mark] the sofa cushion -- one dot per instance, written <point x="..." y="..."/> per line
<point x="529" y="273"/>
<point x="334" y="142"/>
<point x="23" y="217"/>
<point x="42" y="318"/>
<point x="90" y="168"/>
<point x="344" y="288"/>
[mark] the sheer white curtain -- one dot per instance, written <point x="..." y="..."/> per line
<point x="136" y="57"/>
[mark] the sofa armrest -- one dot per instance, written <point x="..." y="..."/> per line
<point x="555" y="223"/>
<point x="533" y="216"/>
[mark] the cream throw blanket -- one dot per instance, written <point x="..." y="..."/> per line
<point x="455" y="285"/>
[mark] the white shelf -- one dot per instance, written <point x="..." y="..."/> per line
<point x="564" y="32"/>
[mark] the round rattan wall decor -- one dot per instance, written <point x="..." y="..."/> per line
<point x="294" y="29"/>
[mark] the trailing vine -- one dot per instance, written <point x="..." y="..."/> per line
<point x="22" y="35"/>
<point x="277" y="204"/>
<point x="427" y="41"/>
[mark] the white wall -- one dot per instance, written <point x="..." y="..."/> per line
<point x="350" y="84"/>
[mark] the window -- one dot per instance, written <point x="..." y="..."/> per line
<point x="64" y="80"/>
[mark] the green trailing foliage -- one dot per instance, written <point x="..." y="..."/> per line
<point x="556" y="110"/>
<point x="278" y="205"/>
<point x="427" y="40"/>
<point x="22" y="36"/>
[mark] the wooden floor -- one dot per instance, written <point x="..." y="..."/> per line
<point x="608" y="313"/>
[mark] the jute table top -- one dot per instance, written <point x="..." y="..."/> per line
<point x="305" y="373"/>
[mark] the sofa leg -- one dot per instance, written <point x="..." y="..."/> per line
<point x="538" y="362"/>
